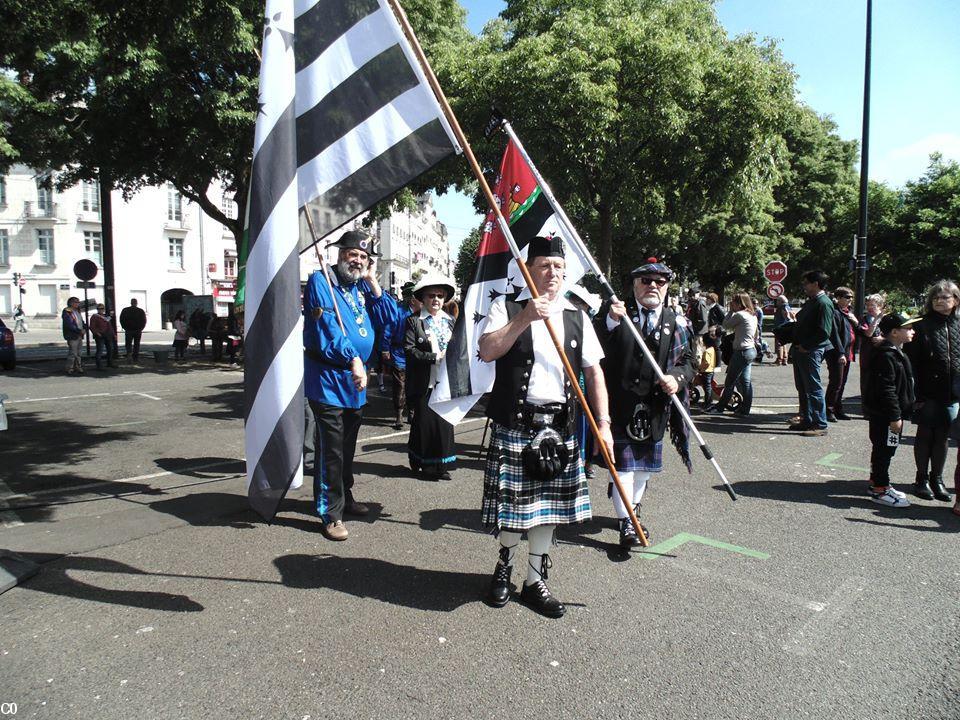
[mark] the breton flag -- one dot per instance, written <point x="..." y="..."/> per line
<point x="346" y="118"/>
<point x="464" y="377"/>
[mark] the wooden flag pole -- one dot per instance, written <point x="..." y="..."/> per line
<point x="505" y="228"/>
<point x="325" y="270"/>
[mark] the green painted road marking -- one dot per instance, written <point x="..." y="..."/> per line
<point x="828" y="461"/>
<point x="660" y="549"/>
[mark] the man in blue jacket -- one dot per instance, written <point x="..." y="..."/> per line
<point x="335" y="376"/>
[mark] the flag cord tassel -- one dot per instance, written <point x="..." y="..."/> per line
<point x="505" y="228"/>
<point x="325" y="269"/>
<point x="612" y="295"/>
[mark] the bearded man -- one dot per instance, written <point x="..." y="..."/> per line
<point x="335" y="375"/>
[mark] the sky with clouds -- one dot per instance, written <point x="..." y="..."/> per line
<point x="915" y="79"/>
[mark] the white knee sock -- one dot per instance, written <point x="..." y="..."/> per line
<point x="539" y="540"/>
<point x="510" y="541"/>
<point x="639" y="485"/>
<point x="627" y="480"/>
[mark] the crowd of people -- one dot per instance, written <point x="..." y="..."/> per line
<point x="535" y="471"/>
<point x="223" y="334"/>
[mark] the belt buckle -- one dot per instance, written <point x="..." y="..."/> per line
<point x="542" y="418"/>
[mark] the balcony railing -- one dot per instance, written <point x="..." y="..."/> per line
<point x="181" y="224"/>
<point x="41" y="211"/>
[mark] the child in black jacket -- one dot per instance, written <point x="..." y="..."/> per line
<point x="888" y="398"/>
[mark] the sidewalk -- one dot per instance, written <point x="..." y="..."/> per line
<point x="48" y="344"/>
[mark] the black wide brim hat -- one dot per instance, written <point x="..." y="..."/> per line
<point x="355" y="240"/>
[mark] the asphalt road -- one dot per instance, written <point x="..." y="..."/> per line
<point x="161" y="595"/>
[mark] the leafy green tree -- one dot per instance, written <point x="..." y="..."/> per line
<point x="928" y="247"/>
<point x="154" y="91"/>
<point x="466" y="261"/>
<point x="657" y="132"/>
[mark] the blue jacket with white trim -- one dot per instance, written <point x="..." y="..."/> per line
<point x="328" y="350"/>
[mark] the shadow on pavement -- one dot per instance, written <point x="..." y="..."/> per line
<point x="437" y="590"/>
<point x="55" y="579"/>
<point x="849" y="494"/>
<point x="227" y="398"/>
<point x="53" y="442"/>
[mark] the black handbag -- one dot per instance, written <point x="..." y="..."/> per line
<point x="726" y="348"/>
<point x="784" y="333"/>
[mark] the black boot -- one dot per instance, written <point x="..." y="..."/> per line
<point x="940" y="492"/>
<point x="500" y="586"/>
<point x="628" y="535"/>
<point x="537" y="596"/>
<point x="921" y="487"/>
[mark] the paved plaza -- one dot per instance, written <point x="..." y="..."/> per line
<point x="161" y="595"/>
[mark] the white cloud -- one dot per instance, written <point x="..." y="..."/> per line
<point x="909" y="162"/>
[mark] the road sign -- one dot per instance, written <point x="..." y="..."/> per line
<point x="775" y="271"/>
<point x="774" y="290"/>
<point x="85" y="269"/>
<point x="86" y="285"/>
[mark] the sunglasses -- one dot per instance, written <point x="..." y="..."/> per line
<point x="434" y="296"/>
<point x="658" y="281"/>
<point x="944" y="298"/>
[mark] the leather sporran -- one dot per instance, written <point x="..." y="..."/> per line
<point x="545" y="456"/>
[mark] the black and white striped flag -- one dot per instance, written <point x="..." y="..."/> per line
<point x="346" y="119"/>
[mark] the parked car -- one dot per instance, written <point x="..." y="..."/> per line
<point x="8" y="349"/>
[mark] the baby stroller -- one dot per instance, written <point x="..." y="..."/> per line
<point x="698" y="390"/>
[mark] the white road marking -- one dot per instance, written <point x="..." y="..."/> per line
<point x="803" y="640"/>
<point x="146" y="395"/>
<point x="126" y="424"/>
<point x="407" y="432"/>
<point x="81" y="397"/>
<point x="64" y="397"/>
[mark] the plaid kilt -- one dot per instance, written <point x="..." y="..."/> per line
<point x="633" y="456"/>
<point x="512" y="502"/>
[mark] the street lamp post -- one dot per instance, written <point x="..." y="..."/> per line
<point x="860" y="256"/>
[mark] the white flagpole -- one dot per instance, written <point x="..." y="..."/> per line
<point x="585" y="252"/>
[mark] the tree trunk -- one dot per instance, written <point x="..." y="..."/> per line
<point x="605" y="242"/>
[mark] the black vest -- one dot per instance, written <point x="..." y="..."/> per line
<point x="513" y="369"/>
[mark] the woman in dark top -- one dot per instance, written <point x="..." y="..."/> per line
<point x="839" y="360"/>
<point x="430" y="448"/>
<point x="935" y="357"/>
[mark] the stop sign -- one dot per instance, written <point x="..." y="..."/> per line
<point x="775" y="271"/>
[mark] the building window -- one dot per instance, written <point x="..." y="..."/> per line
<point x="45" y="245"/>
<point x="174" y="204"/>
<point x="176" y="253"/>
<point x="91" y="196"/>
<point x="229" y="266"/>
<point x="93" y="246"/>
<point x="227" y="206"/>
<point x="45" y="192"/>
<point x="3" y="191"/>
<point x="4" y="248"/>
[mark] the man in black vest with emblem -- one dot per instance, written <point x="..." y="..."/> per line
<point x="534" y="478"/>
<point x="640" y="405"/>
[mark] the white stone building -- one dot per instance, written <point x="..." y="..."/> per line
<point x="413" y="242"/>
<point x="165" y="248"/>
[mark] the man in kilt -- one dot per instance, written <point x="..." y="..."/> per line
<point x="534" y="478"/>
<point x="640" y="404"/>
